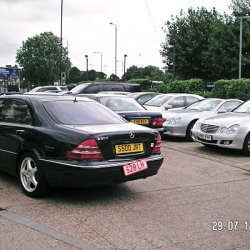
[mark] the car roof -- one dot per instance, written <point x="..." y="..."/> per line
<point x="143" y="93"/>
<point x="105" y="95"/>
<point x="177" y="94"/>
<point x="28" y="97"/>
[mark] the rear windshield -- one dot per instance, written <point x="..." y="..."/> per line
<point x="81" y="113"/>
<point x="120" y="103"/>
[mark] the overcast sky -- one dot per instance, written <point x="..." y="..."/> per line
<point x="87" y="29"/>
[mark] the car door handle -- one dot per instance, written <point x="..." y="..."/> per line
<point x="20" y="131"/>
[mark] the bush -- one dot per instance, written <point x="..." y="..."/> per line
<point x="183" y="86"/>
<point x="145" y="83"/>
<point x="235" y="88"/>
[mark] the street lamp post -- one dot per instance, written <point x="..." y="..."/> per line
<point x="115" y="46"/>
<point x="96" y="52"/>
<point x="240" y="52"/>
<point x="61" y="45"/>
<point x="124" y="63"/>
<point x="87" y="66"/>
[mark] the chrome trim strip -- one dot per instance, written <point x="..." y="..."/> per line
<point x="151" y="158"/>
<point x="6" y="151"/>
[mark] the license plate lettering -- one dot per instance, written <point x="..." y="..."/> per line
<point x="135" y="167"/>
<point x="140" y="121"/>
<point x="129" y="148"/>
<point x="205" y="136"/>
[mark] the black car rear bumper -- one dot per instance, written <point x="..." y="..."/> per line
<point x="65" y="174"/>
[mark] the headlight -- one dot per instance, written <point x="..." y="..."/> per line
<point x="173" y="121"/>
<point x="233" y="129"/>
<point x="230" y="130"/>
<point x="223" y="129"/>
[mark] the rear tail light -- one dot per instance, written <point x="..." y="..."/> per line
<point x="157" y="147"/>
<point x="158" y="122"/>
<point x="86" y="150"/>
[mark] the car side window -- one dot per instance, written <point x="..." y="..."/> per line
<point x="92" y="89"/>
<point x="177" y="102"/>
<point x="229" y="106"/>
<point x="111" y="87"/>
<point x="144" y="98"/>
<point x="15" y="111"/>
<point x="191" y="99"/>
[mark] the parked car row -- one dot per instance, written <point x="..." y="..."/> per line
<point x="180" y="122"/>
<point x="58" y="139"/>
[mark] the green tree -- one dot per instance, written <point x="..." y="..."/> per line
<point x="40" y="58"/>
<point x="221" y="59"/>
<point x="187" y="41"/>
<point x="240" y="5"/>
<point x="149" y="72"/>
<point x="74" y="76"/>
<point x="153" y="73"/>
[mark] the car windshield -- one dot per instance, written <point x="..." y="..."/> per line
<point x="81" y="113"/>
<point x="159" y="100"/>
<point x="120" y="103"/>
<point x="244" y="108"/>
<point x="78" y="88"/>
<point x="204" y="105"/>
<point x="134" y="95"/>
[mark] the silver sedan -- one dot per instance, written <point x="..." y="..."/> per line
<point x="230" y="130"/>
<point x="178" y="123"/>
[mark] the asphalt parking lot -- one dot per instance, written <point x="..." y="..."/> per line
<point x="198" y="200"/>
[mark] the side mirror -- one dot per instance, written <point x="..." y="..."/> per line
<point x="168" y="107"/>
<point x="221" y="111"/>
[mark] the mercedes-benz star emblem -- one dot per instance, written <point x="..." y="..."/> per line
<point x="131" y="135"/>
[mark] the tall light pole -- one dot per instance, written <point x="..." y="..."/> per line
<point x="124" y="63"/>
<point x="87" y="66"/>
<point x="115" y="47"/>
<point x="240" y="53"/>
<point x="61" y="45"/>
<point x="97" y="52"/>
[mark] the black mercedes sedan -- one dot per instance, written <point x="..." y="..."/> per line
<point x="130" y="110"/>
<point x="66" y="141"/>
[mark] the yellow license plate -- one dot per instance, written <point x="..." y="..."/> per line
<point x="140" y="121"/>
<point x="129" y="148"/>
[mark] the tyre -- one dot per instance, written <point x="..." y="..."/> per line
<point x="31" y="177"/>
<point x="246" y="145"/>
<point x="188" y="131"/>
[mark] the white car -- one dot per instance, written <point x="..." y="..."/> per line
<point x="164" y="102"/>
<point x="229" y="130"/>
<point x="178" y="123"/>
<point x="51" y="88"/>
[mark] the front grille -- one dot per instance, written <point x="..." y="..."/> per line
<point x="207" y="128"/>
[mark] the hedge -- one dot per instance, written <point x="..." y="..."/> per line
<point x="183" y="86"/>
